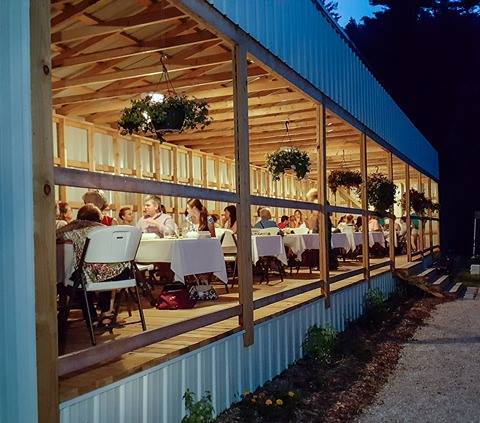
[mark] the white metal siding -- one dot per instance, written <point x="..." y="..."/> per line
<point x="18" y="384"/>
<point x="303" y="38"/>
<point x="225" y="368"/>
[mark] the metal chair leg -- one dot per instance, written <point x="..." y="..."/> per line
<point x="140" y="309"/>
<point x="89" y="318"/>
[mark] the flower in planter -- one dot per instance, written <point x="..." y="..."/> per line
<point x="344" y="178"/>
<point x="288" y="159"/>
<point x="174" y="113"/>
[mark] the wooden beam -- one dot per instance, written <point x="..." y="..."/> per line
<point x="145" y="47"/>
<point x="242" y="173"/>
<point x="180" y="83"/>
<point x="365" y="238"/>
<point x="44" y="204"/>
<point x="407" y="213"/>
<point x="153" y="15"/>
<point x="139" y="72"/>
<point x="323" y="223"/>
<point x="71" y="12"/>
<point x="391" y="225"/>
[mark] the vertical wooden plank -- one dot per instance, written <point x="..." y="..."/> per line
<point x="44" y="203"/>
<point x="365" y="240"/>
<point x="205" y="170"/>
<point x="421" y="224"/>
<point x="242" y="171"/>
<point x="323" y="235"/>
<point x="175" y="172"/>
<point x="391" y="226"/>
<point x="430" y="215"/>
<point x="409" y="218"/>
<point x="138" y="168"/>
<point x="90" y="149"/>
<point x="116" y="168"/>
<point x="62" y="154"/>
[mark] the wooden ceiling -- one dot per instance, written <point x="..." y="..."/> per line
<point x="106" y="52"/>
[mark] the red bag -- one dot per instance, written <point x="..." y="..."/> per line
<point x="174" y="297"/>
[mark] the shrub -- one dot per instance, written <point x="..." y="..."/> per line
<point x="198" y="411"/>
<point x="319" y="344"/>
<point x="375" y="304"/>
<point x="270" y="406"/>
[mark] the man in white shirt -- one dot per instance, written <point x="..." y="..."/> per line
<point x="154" y="220"/>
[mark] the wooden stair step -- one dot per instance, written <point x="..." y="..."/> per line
<point x="440" y="280"/>
<point x="470" y="293"/>
<point x="455" y="288"/>
<point x="427" y="271"/>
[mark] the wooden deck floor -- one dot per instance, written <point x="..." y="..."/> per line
<point x="79" y="383"/>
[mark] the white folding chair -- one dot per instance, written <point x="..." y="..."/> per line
<point x="269" y="231"/>
<point x="229" y="248"/>
<point x="300" y="231"/>
<point x="113" y="244"/>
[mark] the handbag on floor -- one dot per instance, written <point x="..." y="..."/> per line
<point x="175" y="296"/>
<point x="202" y="290"/>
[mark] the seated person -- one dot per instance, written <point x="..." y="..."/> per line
<point x="373" y="225"/>
<point x="98" y="198"/>
<point x="216" y="220"/>
<point x="230" y="218"/>
<point x="126" y="216"/>
<point x="284" y="220"/>
<point x="265" y="220"/>
<point x="198" y="217"/>
<point x="299" y="222"/>
<point x="292" y="222"/>
<point x="154" y="219"/>
<point x="341" y="223"/>
<point x="64" y="214"/>
<point x="349" y="226"/>
<point x="89" y="217"/>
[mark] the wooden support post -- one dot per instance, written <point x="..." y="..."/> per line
<point x="421" y="224"/>
<point x="391" y="224"/>
<point x="116" y="168"/>
<point x="323" y="227"/>
<point x="409" y="218"/>
<point x="43" y="207"/>
<point x="176" y="212"/>
<point x="430" y="215"/>
<point x="90" y="149"/>
<point x="242" y="172"/>
<point x="365" y="240"/>
<point x="138" y="168"/>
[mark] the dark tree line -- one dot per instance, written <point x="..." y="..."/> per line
<point x="426" y="53"/>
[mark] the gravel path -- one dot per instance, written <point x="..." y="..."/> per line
<point x="437" y="378"/>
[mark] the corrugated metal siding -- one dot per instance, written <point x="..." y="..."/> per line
<point x="18" y="382"/>
<point x="225" y="368"/>
<point x="303" y="38"/>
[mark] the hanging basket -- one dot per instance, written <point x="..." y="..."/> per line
<point x="288" y="160"/>
<point x="380" y="193"/>
<point x="344" y="178"/>
<point x="175" y="113"/>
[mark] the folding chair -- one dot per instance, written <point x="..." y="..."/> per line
<point x="114" y="244"/>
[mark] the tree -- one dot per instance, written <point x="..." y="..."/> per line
<point x="332" y="8"/>
<point x="426" y="54"/>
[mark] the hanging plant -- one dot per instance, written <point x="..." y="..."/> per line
<point x="380" y="192"/>
<point x="175" y="113"/>
<point x="344" y="178"/>
<point x="418" y="202"/>
<point x="288" y="160"/>
<point x="433" y="207"/>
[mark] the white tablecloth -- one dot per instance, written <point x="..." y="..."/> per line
<point x="343" y="240"/>
<point x="373" y="237"/>
<point x="268" y="246"/>
<point x="186" y="256"/>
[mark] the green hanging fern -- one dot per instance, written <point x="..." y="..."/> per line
<point x="288" y="159"/>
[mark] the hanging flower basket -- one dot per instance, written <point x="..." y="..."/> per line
<point x="380" y="193"/>
<point x="288" y="160"/>
<point x="419" y="203"/>
<point x="175" y="113"/>
<point x="344" y="178"/>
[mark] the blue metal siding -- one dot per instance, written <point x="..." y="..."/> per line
<point x="303" y="38"/>
<point x="225" y="368"/>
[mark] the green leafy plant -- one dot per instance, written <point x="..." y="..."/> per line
<point x="344" y="178"/>
<point x="419" y="203"/>
<point x="269" y="406"/>
<point x="375" y="305"/>
<point x="198" y="411"/>
<point x="319" y="344"/>
<point x="155" y="118"/>
<point x="288" y="159"/>
<point x="380" y="192"/>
